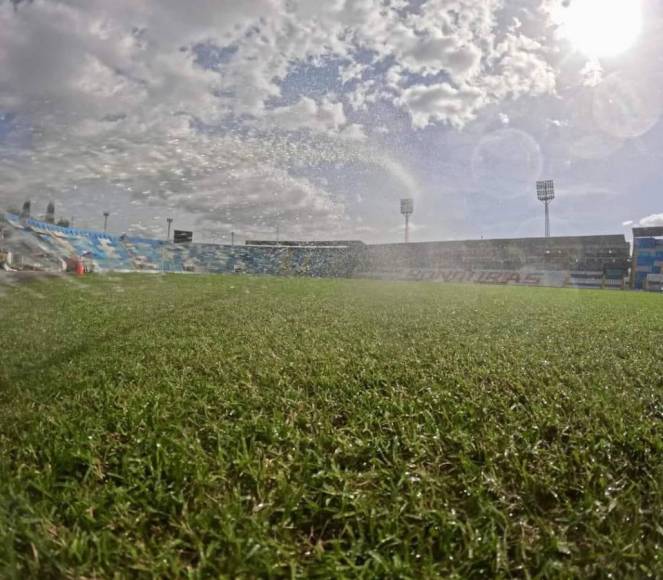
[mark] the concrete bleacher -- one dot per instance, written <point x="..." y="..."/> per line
<point x="579" y="262"/>
<point x="106" y="252"/>
<point x="588" y="261"/>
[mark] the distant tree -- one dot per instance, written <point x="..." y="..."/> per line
<point x="4" y="230"/>
<point x="25" y="212"/>
<point x="63" y="223"/>
<point x="50" y="213"/>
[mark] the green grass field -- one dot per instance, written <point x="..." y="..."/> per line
<point x="263" y="427"/>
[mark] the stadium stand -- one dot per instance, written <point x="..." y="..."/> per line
<point x="21" y="249"/>
<point x="647" y="260"/>
<point x="589" y="261"/>
<point x="106" y="252"/>
<point x="579" y="262"/>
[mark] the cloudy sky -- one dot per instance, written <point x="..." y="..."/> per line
<point x="317" y="117"/>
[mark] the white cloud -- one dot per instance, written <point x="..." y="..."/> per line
<point x="652" y="221"/>
<point x="116" y="93"/>
<point x="353" y="132"/>
<point x="440" y="102"/>
<point x="325" y="116"/>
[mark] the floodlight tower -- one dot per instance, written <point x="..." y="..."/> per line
<point x="106" y="214"/>
<point x="170" y="222"/>
<point x="545" y="191"/>
<point x="407" y="209"/>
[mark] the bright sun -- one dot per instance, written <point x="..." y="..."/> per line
<point x="602" y="28"/>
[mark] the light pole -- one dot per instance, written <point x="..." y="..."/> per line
<point x="170" y="221"/>
<point x="407" y="209"/>
<point x="232" y="238"/>
<point x="545" y="192"/>
<point x="106" y="214"/>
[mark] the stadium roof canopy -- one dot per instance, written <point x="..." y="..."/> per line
<point x="319" y="244"/>
<point x="648" y="232"/>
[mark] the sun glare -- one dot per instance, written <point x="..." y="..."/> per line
<point x="602" y="28"/>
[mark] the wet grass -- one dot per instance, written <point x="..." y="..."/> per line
<point x="257" y="427"/>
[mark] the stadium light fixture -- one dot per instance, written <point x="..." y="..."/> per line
<point x="170" y="222"/>
<point x="106" y="214"/>
<point x="407" y="209"/>
<point x="545" y="192"/>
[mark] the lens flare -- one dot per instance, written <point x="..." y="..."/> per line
<point x="601" y="28"/>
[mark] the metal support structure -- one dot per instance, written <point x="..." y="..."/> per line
<point x="170" y="222"/>
<point x="545" y="192"/>
<point x="106" y="214"/>
<point x="407" y="209"/>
